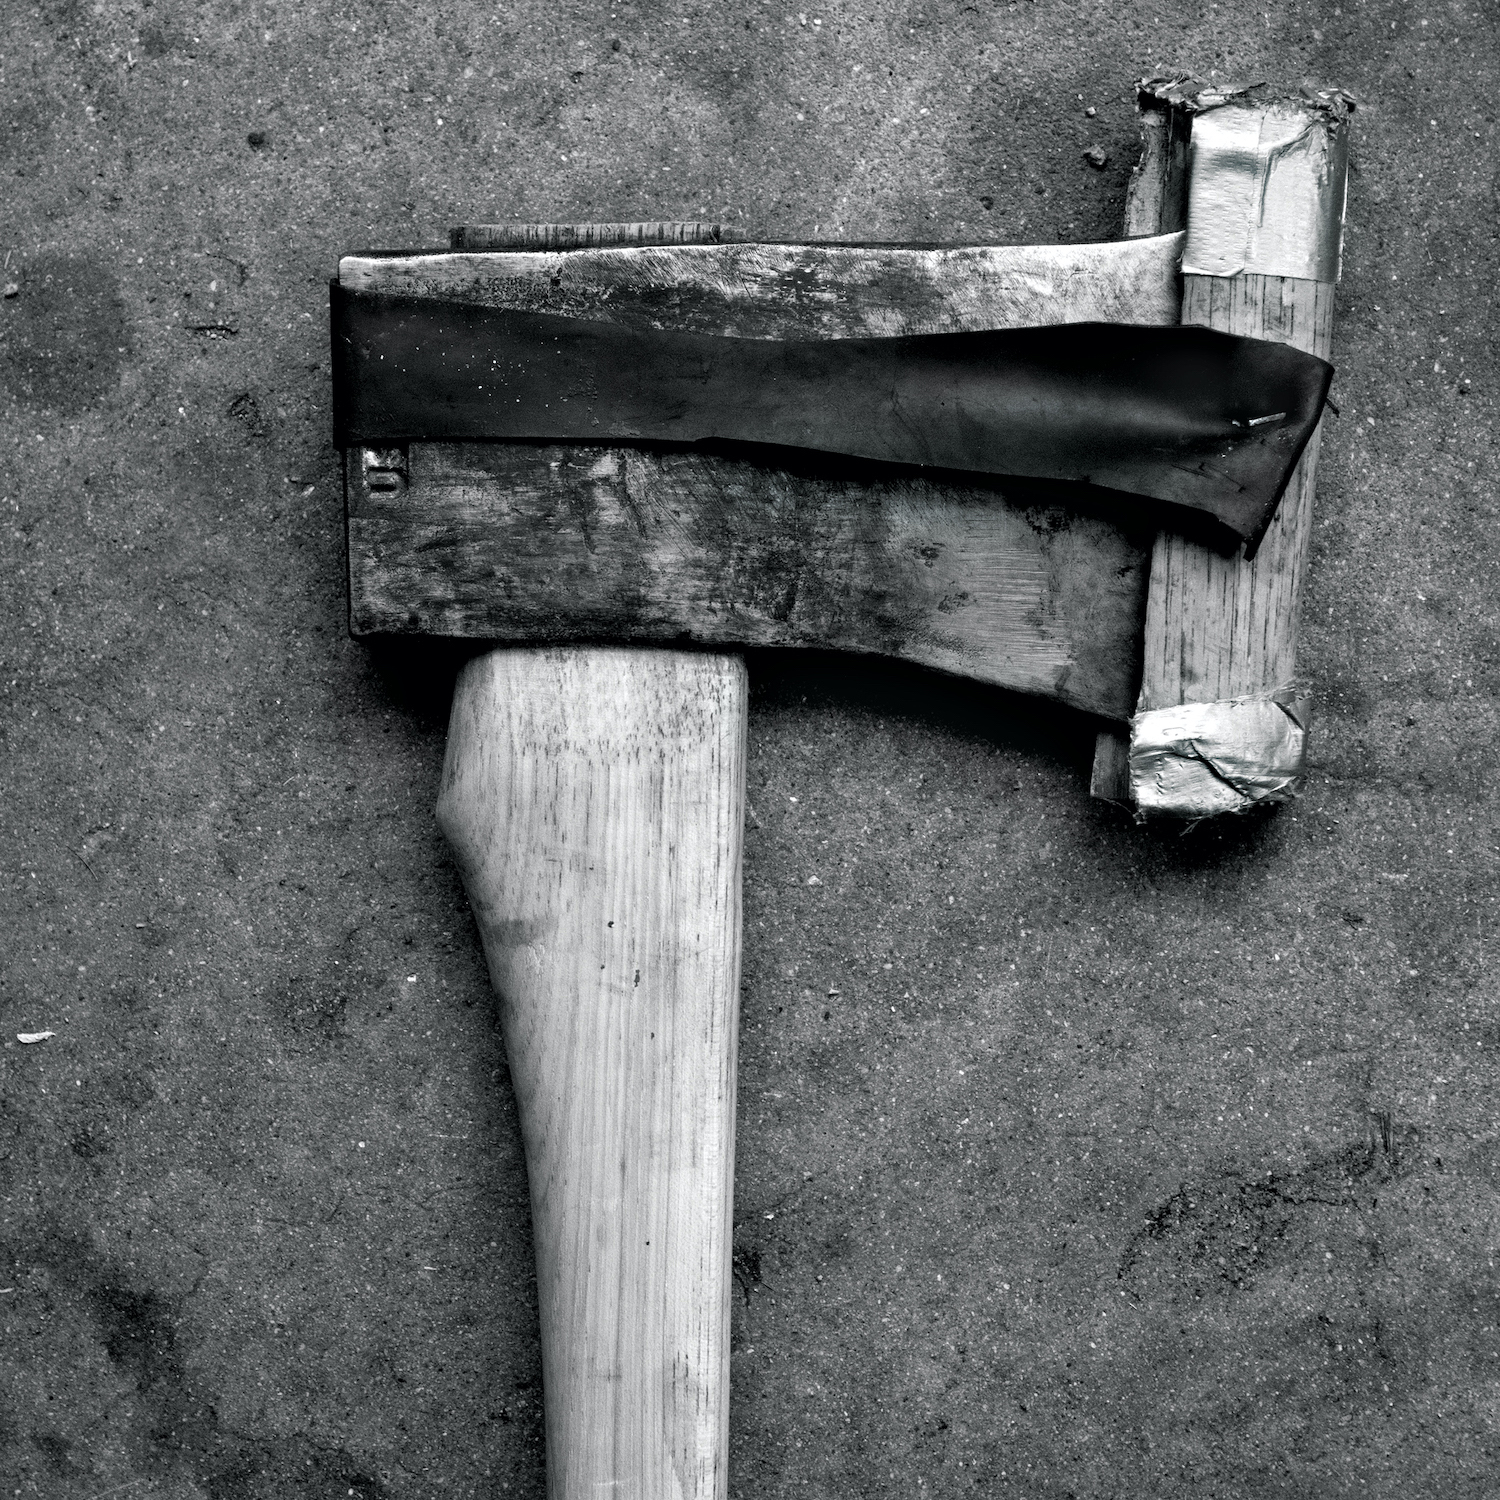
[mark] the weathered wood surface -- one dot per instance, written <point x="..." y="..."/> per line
<point x="1155" y="204"/>
<point x="521" y="542"/>
<point x="1156" y="199"/>
<point x="727" y="552"/>
<point x="1221" y="627"/>
<point x="803" y="291"/>
<point x="584" y="236"/>
<point x="1109" y="779"/>
<point x="594" y="802"/>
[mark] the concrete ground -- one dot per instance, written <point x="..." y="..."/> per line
<point x="1075" y="1160"/>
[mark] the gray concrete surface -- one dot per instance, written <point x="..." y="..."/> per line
<point x="1075" y="1160"/>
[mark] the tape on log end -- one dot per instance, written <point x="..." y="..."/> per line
<point x="1199" y="760"/>
<point x="1266" y="189"/>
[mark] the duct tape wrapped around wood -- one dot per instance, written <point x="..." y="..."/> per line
<point x="1266" y="190"/>
<point x="1197" y="760"/>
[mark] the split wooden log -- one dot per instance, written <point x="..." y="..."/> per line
<point x="1265" y="200"/>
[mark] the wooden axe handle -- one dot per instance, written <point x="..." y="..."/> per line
<point x="594" y="802"/>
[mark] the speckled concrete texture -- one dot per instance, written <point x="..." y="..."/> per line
<point x="1075" y="1160"/>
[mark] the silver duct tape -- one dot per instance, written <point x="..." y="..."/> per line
<point x="1266" y="191"/>
<point x="1198" y="760"/>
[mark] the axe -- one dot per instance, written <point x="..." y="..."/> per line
<point x="550" y="444"/>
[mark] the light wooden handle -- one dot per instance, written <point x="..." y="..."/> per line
<point x="594" y="801"/>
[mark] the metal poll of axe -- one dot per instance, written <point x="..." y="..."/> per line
<point x="514" y="479"/>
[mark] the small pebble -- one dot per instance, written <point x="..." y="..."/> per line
<point x="1090" y="112"/>
<point x="12" y="289"/>
<point x="1096" y="156"/>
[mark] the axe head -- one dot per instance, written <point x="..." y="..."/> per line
<point x="556" y="446"/>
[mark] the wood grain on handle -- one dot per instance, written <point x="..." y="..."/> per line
<point x="593" y="800"/>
